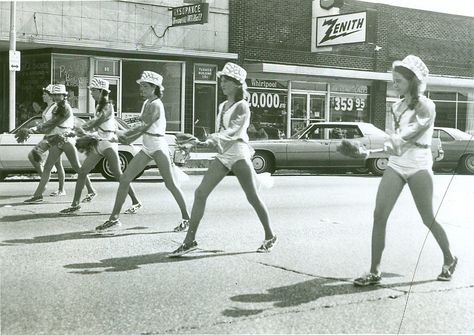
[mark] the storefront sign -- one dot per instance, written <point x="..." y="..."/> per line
<point x="205" y="72"/>
<point x="263" y="83"/>
<point x="349" y="88"/>
<point x="341" y="29"/>
<point x="192" y="14"/>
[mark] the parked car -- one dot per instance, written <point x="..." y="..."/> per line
<point x="315" y="147"/>
<point x="458" y="149"/>
<point x="14" y="156"/>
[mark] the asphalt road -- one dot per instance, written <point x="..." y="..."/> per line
<point x="59" y="277"/>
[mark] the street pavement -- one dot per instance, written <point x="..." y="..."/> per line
<point x="60" y="277"/>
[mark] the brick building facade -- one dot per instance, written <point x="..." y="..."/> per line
<point x="71" y="42"/>
<point x="273" y="39"/>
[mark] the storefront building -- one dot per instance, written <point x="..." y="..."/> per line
<point x="306" y="64"/>
<point x="71" y="43"/>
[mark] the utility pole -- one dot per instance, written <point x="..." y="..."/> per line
<point x="12" y="91"/>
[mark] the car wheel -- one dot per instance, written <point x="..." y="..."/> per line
<point x="263" y="162"/>
<point x="377" y="165"/>
<point x="467" y="163"/>
<point x="124" y="159"/>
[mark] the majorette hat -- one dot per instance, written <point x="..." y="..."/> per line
<point x="234" y="71"/>
<point x="152" y="78"/>
<point x="100" y="84"/>
<point x="415" y="65"/>
<point x="59" y="89"/>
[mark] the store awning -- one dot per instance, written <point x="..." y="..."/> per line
<point x="295" y="72"/>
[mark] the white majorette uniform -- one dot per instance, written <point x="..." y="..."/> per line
<point x="416" y="151"/>
<point x="106" y="130"/>
<point x="47" y="115"/>
<point x="232" y="139"/>
<point x="154" y="137"/>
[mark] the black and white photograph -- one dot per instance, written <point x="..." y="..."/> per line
<point x="236" y="167"/>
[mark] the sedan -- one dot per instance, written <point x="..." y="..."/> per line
<point x="316" y="147"/>
<point x="458" y="149"/>
<point x="14" y="156"/>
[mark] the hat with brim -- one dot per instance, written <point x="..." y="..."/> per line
<point x="415" y="65"/>
<point x="48" y="88"/>
<point x="233" y="71"/>
<point x="59" y="89"/>
<point x="99" y="84"/>
<point x="152" y="78"/>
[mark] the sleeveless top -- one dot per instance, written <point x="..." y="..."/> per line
<point x="48" y="112"/>
<point x="158" y="128"/>
<point x="67" y="124"/>
<point x="224" y="119"/>
<point x="107" y="128"/>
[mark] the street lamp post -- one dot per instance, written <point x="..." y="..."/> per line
<point x="12" y="90"/>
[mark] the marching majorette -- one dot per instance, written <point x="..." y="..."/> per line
<point x="100" y="143"/>
<point x="61" y="139"/>
<point x="234" y="154"/>
<point x="410" y="163"/>
<point x="37" y="155"/>
<point x="152" y="127"/>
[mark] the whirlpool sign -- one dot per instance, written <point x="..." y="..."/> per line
<point x="341" y="29"/>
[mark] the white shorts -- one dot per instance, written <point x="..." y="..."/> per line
<point x="104" y="145"/>
<point x="152" y="144"/>
<point x="238" y="151"/>
<point x="412" y="161"/>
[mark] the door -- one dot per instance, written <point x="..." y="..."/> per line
<point x="317" y="107"/>
<point x="310" y="150"/>
<point x="204" y="110"/>
<point x="335" y="135"/>
<point x="307" y="108"/>
<point x="114" y="95"/>
<point x="299" y="112"/>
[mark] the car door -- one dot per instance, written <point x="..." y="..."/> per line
<point x="336" y="134"/>
<point x="452" y="150"/>
<point x="310" y="150"/>
<point x="14" y="155"/>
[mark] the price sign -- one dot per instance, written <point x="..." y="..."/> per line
<point x="265" y="100"/>
<point x="348" y="103"/>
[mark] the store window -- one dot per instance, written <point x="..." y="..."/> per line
<point x="349" y="102"/>
<point x="268" y="104"/>
<point x="34" y="75"/>
<point x="73" y="72"/>
<point x="172" y="81"/>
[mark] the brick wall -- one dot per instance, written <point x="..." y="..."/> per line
<point x="279" y="31"/>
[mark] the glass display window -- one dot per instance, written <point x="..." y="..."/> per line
<point x="73" y="72"/>
<point x="172" y="73"/>
<point x="268" y="101"/>
<point x="349" y="103"/>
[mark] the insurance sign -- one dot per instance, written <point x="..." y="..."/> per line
<point x="192" y="14"/>
<point x="341" y="29"/>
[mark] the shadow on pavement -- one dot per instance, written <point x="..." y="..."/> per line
<point x="33" y="216"/>
<point x="305" y="292"/>
<point x="134" y="262"/>
<point x="80" y="235"/>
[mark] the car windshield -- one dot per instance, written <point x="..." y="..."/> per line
<point x="299" y="133"/>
